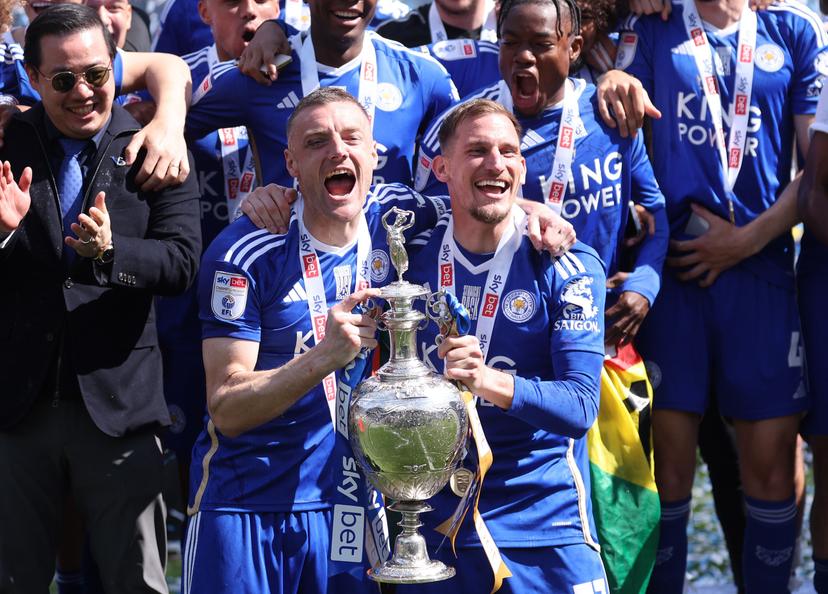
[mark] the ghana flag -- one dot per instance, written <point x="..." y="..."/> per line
<point x="624" y="496"/>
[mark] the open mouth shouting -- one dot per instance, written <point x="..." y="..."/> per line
<point x="525" y="91"/>
<point x="340" y="182"/>
<point x="247" y="34"/>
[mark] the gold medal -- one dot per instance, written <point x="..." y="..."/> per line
<point x="460" y="481"/>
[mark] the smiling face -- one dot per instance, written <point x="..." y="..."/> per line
<point x="116" y="16"/>
<point x="234" y="22"/>
<point x="482" y="167"/>
<point x="339" y="25"/>
<point x="534" y="58"/>
<point x="83" y="110"/>
<point x="332" y="154"/>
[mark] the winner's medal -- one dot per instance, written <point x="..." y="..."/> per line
<point x="460" y="481"/>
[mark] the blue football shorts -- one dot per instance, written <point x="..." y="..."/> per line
<point x="263" y="553"/>
<point x="739" y="340"/>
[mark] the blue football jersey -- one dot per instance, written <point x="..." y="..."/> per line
<point x="548" y="329"/>
<point x="607" y="172"/>
<point x="13" y="78"/>
<point x="790" y="61"/>
<point x="471" y="63"/>
<point x="181" y="30"/>
<point x="412" y="89"/>
<point x="280" y="465"/>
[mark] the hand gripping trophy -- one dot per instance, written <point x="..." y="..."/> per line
<point x="407" y="425"/>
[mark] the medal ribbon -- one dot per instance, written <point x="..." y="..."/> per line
<point x="367" y="94"/>
<point x="239" y="179"/>
<point x="297" y="14"/>
<point x="355" y="496"/>
<point x="438" y="30"/>
<point x="495" y="283"/>
<point x="732" y="157"/>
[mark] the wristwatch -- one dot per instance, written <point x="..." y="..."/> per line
<point x="106" y="255"/>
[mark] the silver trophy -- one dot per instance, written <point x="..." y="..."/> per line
<point x="407" y="425"/>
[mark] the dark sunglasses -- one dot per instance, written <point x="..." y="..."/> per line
<point x="63" y="82"/>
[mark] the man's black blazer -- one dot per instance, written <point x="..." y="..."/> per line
<point x="103" y="315"/>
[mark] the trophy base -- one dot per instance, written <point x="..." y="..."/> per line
<point x="395" y="573"/>
<point x="410" y="563"/>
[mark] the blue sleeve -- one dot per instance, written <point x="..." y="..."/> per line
<point x="634" y="51"/>
<point x="810" y="56"/>
<point x="227" y="309"/>
<point x="217" y="100"/>
<point x="645" y="279"/>
<point x="568" y="405"/>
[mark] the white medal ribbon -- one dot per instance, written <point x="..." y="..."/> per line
<point x="315" y="287"/>
<point x="732" y="157"/>
<point x="239" y="179"/>
<point x="367" y="95"/>
<point x="499" y="267"/>
<point x="297" y="14"/>
<point x="438" y="30"/>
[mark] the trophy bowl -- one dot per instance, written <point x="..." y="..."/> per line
<point x="407" y="427"/>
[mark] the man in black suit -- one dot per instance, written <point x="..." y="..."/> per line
<point x="83" y="251"/>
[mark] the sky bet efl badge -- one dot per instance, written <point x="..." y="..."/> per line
<point x="229" y="295"/>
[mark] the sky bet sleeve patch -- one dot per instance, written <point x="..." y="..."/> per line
<point x="229" y="295"/>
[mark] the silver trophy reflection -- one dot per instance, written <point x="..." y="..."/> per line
<point x="407" y="425"/>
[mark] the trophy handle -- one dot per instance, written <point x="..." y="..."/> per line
<point x="437" y="309"/>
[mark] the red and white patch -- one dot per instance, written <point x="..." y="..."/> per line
<point x="311" y="265"/>
<point x="489" y="305"/>
<point x="446" y="275"/>
<point x="567" y="134"/>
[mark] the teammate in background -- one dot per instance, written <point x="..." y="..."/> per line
<point x="401" y="89"/>
<point x="538" y="394"/>
<point x="440" y="20"/>
<point x="592" y="188"/>
<point x="125" y="24"/>
<point x="182" y="31"/>
<point x="730" y="215"/>
<point x="812" y="282"/>
<point x="225" y="170"/>
<point x="598" y="22"/>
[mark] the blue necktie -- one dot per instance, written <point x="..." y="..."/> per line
<point x="70" y="182"/>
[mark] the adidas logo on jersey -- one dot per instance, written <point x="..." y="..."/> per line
<point x="296" y="294"/>
<point x="289" y="102"/>
<point x="530" y="139"/>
